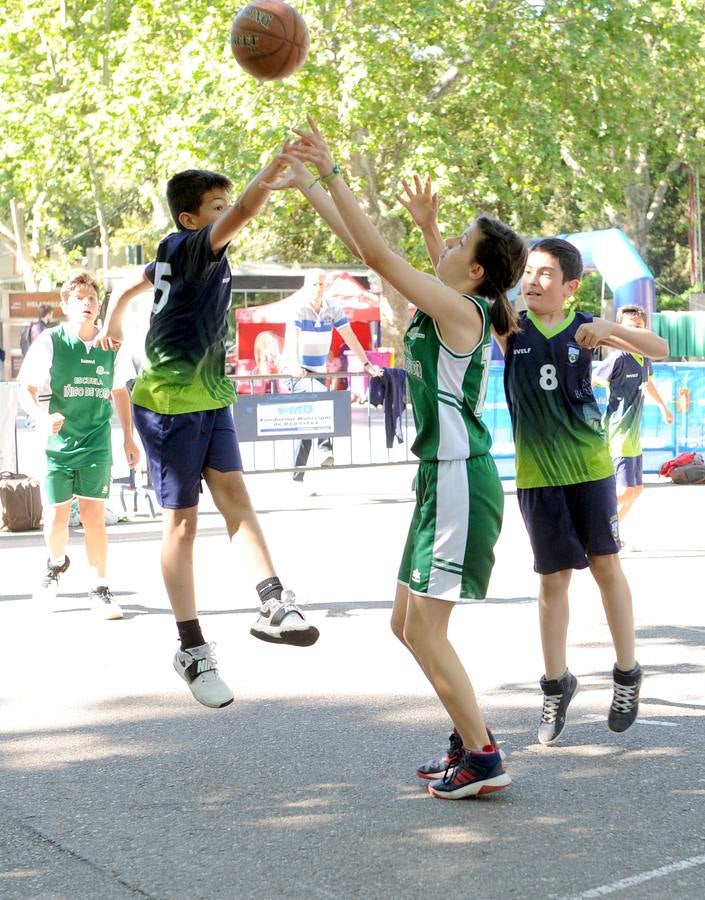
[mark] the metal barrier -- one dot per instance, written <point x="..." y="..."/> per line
<point x="360" y="433"/>
<point x="273" y="414"/>
<point x="680" y="384"/>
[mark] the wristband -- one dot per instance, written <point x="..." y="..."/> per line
<point x="324" y="178"/>
<point x="333" y="172"/>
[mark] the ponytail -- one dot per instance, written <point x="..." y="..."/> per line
<point x="502" y="254"/>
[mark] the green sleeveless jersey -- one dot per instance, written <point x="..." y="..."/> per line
<point x="81" y="383"/>
<point x="447" y="390"/>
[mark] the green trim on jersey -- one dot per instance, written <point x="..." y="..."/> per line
<point x="447" y="389"/>
<point x="545" y="330"/>
<point x="81" y="388"/>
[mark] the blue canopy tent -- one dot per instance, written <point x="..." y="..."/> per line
<point x="612" y="254"/>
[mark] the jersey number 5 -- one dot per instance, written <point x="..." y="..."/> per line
<point x="162" y="286"/>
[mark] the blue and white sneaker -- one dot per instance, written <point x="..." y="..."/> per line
<point x="281" y="622"/>
<point x="199" y="669"/>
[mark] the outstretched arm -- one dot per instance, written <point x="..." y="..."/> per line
<point x="110" y="335"/>
<point x="350" y="338"/>
<point x="422" y="205"/>
<point x="298" y="176"/>
<point x="458" y="320"/>
<point x="247" y="205"/>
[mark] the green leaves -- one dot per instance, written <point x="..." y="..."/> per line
<point x="556" y="115"/>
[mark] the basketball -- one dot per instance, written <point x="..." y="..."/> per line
<point x="269" y="39"/>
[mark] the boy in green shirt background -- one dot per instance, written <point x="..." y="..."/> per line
<point x="82" y="380"/>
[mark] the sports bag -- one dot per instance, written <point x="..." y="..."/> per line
<point x="20" y="502"/>
<point x="693" y="473"/>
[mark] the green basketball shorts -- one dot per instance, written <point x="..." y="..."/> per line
<point x="62" y="483"/>
<point x="449" y="552"/>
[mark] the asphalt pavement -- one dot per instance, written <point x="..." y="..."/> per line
<point x="115" y="783"/>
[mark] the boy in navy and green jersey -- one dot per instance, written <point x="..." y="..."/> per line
<point x="82" y="381"/>
<point x="181" y="403"/>
<point x="628" y="376"/>
<point x="564" y="473"/>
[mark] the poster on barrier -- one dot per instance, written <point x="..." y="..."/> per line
<point x="316" y="414"/>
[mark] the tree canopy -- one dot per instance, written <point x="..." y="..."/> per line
<point x="556" y="115"/>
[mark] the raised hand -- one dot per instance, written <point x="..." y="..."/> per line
<point x="421" y="202"/>
<point x="296" y="175"/>
<point x="312" y="147"/>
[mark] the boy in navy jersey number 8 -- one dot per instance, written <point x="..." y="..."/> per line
<point x="564" y="473"/>
<point x="565" y="477"/>
<point x="181" y="403"/>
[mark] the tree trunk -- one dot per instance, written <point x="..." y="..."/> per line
<point x="100" y="213"/>
<point x="25" y="262"/>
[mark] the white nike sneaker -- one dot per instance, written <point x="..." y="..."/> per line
<point x="282" y="622"/>
<point x="103" y="602"/>
<point x="199" y="669"/>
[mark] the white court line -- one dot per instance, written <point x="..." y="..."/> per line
<point x="624" y="883"/>
<point x="595" y="717"/>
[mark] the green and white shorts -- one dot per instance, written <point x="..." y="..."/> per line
<point x="63" y="483"/>
<point x="449" y="552"/>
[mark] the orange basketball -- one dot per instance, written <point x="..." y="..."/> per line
<point x="269" y="39"/>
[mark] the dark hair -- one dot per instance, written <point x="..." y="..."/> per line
<point x="84" y="278"/>
<point x="44" y="310"/>
<point x="502" y="254"/>
<point x="567" y="256"/>
<point x="638" y="312"/>
<point x="185" y="190"/>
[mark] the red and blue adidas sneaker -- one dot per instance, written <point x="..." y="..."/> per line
<point x="479" y="772"/>
<point x="437" y="767"/>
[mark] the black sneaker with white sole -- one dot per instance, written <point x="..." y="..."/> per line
<point x="557" y="694"/>
<point x="625" y="699"/>
<point x="281" y="622"/>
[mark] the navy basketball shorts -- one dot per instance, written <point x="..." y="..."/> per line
<point x="180" y="447"/>
<point x="629" y="471"/>
<point x="567" y="524"/>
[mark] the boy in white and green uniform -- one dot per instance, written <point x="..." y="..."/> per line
<point x="81" y="379"/>
<point x="449" y="551"/>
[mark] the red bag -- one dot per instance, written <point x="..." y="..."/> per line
<point x="683" y="459"/>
